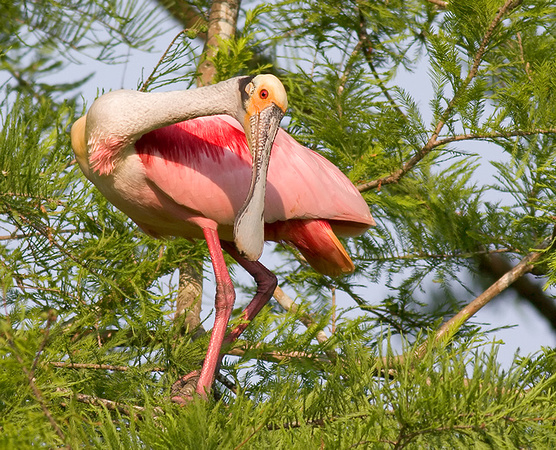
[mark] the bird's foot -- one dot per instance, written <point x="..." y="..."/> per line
<point x="183" y="390"/>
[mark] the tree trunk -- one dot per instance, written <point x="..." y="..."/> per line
<point x="189" y="297"/>
<point x="222" y="25"/>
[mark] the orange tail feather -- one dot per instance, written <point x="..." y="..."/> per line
<point x="318" y="244"/>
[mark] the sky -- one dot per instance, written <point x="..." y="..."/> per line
<point x="530" y="333"/>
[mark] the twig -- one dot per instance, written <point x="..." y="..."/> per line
<point x="65" y="365"/>
<point x="276" y="356"/>
<point x="368" y="54"/>
<point x="333" y="295"/>
<point x="33" y="197"/>
<point x="248" y="438"/>
<point x="285" y="301"/>
<point x="306" y="319"/>
<point x="348" y="67"/>
<point x="160" y="61"/>
<point x="15" y="236"/>
<point x="110" y="404"/>
<point x="51" y="318"/>
<point x="227" y="383"/>
<point x="493" y="135"/>
<point x="522" y="55"/>
<point x="396" y="176"/>
<point x="428" y="256"/>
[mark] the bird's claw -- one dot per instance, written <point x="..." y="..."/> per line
<point x="183" y="390"/>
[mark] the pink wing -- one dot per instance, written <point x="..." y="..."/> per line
<point x="205" y="165"/>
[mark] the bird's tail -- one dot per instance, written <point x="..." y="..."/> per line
<point x="319" y="245"/>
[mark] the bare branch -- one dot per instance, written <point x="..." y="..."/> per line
<point x="523" y="267"/>
<point x="440" y="3"/>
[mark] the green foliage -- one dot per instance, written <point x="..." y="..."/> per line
<point x="235" y="56"/>
<point x="88" y="344"/>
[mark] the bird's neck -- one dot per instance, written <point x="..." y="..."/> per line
<point x="118" y="119"/>
<point x="167" y="108"/>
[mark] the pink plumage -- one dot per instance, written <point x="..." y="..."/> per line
<point x="204" y="165"/>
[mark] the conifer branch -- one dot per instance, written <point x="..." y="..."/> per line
<point x="496" y="266"/>
<point x="396" y="176"/>
<point x="30" y="374"/>
<point x="151" y="77"/>
<point x="427" y="256"/>
<point x="286" y="302"/>
<point x="66" y="365"/>
<point x="493" y="135"/>
<point x="345" y="74"/>
<point x="432" y="142"/>
<point x="276" y="356"/>
<point x="248" y="438"/>
<point x="367" y="47"/>
<point x="526" y="65"/>
<point x="33" y="197"/>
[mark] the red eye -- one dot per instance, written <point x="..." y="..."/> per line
<point x="263" y="94"/>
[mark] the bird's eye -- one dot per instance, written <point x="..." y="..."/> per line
<point x="263" y="94"/>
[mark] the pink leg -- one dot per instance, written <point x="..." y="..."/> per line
<point x="266" y="283"/>
<point x="223" y="304"/>
<point x="225" y="296"/>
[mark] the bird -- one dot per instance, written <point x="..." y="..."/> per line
<point x="212" y="163"/>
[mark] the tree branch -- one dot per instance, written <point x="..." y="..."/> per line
<point x="65" y="365"/>
<point x="440" y="3"/>
<point x="524" y="266"/>
<point x="493" y="135"/>
<point x="150" y="78"/>
<point x="496" y="266"/>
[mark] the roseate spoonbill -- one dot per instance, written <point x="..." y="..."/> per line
<point x="207" y="178"/>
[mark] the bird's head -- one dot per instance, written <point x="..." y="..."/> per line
<point x="264" y="103"/>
